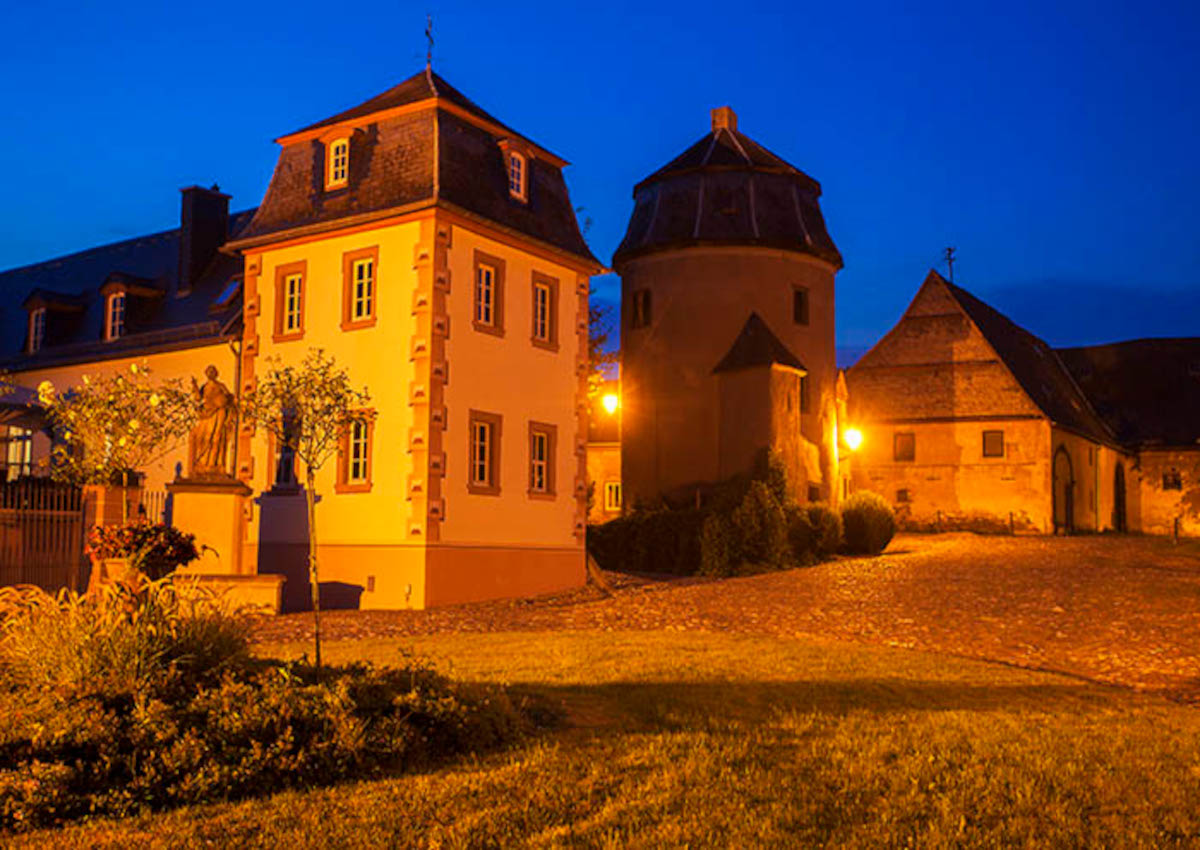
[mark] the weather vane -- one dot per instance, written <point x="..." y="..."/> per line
<point x="429" y="38"/>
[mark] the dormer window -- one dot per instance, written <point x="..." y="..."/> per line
<point x="337" y="171"/>
<point x="114" y="316"/>
<point x="37" y="328"/>
<point x="518" y="176"/>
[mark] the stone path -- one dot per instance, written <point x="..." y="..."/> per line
<point x="1110" y="609"/>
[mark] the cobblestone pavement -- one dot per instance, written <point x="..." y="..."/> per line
<point x="1121" y="610"/>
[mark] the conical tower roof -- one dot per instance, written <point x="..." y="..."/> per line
<point x="727" y="189"/>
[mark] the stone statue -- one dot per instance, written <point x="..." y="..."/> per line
<point x="210" y="435"/>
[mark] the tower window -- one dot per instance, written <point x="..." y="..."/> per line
<point x="904" y="446"/>
<point x="993" y="444"/>
<point x="37" y="328"/>
<point x="800" y="305"/>
<point x="640" y="310"/>
<point x="338" y="166"/>
<point x="805" y="405"/>
<point x="114" y="320"/>
<point x="517" y="176"/>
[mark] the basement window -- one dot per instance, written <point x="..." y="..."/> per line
<point x="1172" y="480"/>
<point x="903" y="497"/>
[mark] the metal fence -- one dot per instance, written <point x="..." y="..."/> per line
<point x="154" y="505"/>
<point x="41" y="534"/>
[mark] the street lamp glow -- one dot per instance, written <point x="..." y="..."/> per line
<point x="611" y="402"/>
<point x="853" y="438"/>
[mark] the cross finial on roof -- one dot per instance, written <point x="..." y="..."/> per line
<point x="429" y="38"/>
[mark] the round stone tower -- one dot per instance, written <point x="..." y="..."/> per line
<point x="727" y="322"/>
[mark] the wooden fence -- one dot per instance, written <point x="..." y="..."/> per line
<point x="41" y="534"/>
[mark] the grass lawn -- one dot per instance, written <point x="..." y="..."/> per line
<point x="711" y="739"/>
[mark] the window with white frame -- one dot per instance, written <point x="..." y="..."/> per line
<point x="362" y="277"/>
<point x="543" y="300"/>
<point x="37" y="328"/>
<point x="17" y="454"/>
<point x="612" y="496"/>
<point x="485" y="295"/>
<point x="483" y="453"/>
<point x="339" y="164"/>
<point x="517" y="175"/>
<point x="358" y="467"/>
<point x="293" y="303"/>
<point x="114" y="322"/>
<point x="541" y="459"/>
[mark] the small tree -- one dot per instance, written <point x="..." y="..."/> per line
<point x="308" y="409"/>
<point x="113" y="425"/>
<point x="600" y="357"/>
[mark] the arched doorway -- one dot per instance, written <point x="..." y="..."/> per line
<point x="1064" y="492"/>
<point x="1120" y="523"/>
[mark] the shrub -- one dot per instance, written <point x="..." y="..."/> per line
<point x="662" y="541"/>
<point x="827" y="529"/>
<point x="716" y="557"/>
<point x="802" y="537"/>
<point x="869" y="523"/>
<point x="758" y="531"/>
<point x="147" y="736"/>
<point x="154" y="548"/>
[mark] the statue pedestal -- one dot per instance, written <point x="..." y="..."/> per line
<point x="214" y="510"/>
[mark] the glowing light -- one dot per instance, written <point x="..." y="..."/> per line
<point x="611" y="402"/>
<point x="853" y="438"/>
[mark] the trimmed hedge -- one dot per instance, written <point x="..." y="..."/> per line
<point x="869" y="523"/>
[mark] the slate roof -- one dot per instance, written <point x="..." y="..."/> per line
<point x="1147" y="390"/>
<point x="1036" y="367"/>
<point x="416" y="160"/>
<point x="755" y="346"/>
<point x="727" y="189"/>
<point x="75" y="318"/>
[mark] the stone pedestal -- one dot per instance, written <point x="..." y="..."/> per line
<point x="214" y="511"/>
<point x="108" y="505"/>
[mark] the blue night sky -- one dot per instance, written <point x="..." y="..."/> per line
<point x="1055" y="144"/>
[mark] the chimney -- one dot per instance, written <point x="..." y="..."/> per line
<point x="203" y="228"/>
<point x="724" y="118"/>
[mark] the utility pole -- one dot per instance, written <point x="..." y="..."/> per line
<point x="949" y="255"/>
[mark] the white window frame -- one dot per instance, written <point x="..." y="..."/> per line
<point x="293" y="303"/>
<point x="518" y="175"/>
<point x="37" y="328"/>
<point x="114" y="316"/>
<point x="362" y="279"/>
<point x="18" y="452"/>
<point x="543" y="302"/>
<point x="338" y="172"/>
<point x="612" y="496"/>
<point x="358" y="467"/>
<point x="485" y="295"/>
<point x="483" y="445"/>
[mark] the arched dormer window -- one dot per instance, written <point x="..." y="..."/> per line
<point x="114" y="316"/>
<point x="517" y="156"/>
<point x="517" y="175"/>
<point x="37" y="329"/>
<point x="337" y="163"/>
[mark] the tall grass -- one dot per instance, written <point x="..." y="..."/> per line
<point x="128" y="637"/>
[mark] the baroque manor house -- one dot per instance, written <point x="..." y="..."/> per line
<point x="432" y="250"/>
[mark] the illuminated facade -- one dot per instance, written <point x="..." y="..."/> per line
<point x="433" y="251"/>
<point x="727" y="328"/>
<point x="970" y="421"/>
